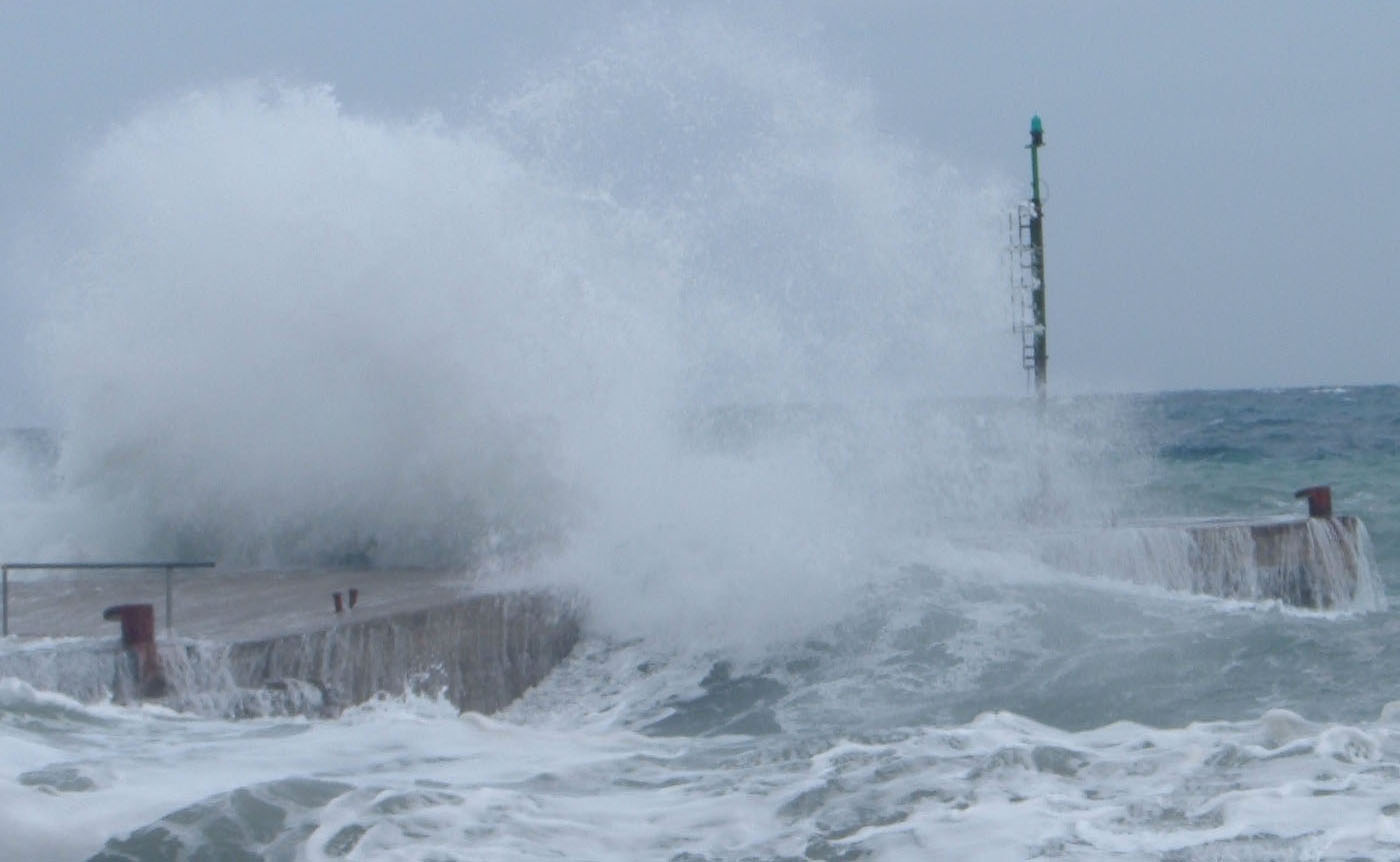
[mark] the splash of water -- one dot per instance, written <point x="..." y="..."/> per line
<point x="290" y="333"/>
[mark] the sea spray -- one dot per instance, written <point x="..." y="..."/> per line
<point x="302" y="334"/>
<point x="286" y="333"/>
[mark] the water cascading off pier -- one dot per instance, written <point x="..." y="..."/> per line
<point x="1319" y="562"/>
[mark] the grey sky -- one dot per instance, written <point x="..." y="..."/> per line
<point x="1221" y="178"/>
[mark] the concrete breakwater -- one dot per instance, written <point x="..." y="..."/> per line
<point x="271" y="643"/>
<point x="1321" y="563"/>
<point x="481" y="653"/>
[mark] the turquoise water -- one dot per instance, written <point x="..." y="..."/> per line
<point x="1244" y="452"/>
<point x="954" y="701"/>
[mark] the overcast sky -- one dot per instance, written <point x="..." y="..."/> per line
<point x="1223" y="198"/>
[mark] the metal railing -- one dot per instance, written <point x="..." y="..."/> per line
<point x="169" y="568"/>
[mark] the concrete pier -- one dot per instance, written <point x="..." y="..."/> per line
<point x="250" y="643"/>
<point x="1321" y="563"/>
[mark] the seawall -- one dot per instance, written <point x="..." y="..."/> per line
<point x="269" y="643"/>
<point x="481" y="653"/>
<point x="1321" y="563"/>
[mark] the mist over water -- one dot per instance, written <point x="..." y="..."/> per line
<point x="673" y="315"/>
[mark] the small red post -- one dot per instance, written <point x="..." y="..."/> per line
<point x="339" y="604"/>
<point x="138" y="623"/>
<point x="1319" y="500"/>
<point x="139" y="638"/>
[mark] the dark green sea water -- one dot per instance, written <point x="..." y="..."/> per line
<point x="940" y="695"/>
<point x="1245" y="451"/>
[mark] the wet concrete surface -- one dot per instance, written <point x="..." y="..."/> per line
<point x="224" y="605"/>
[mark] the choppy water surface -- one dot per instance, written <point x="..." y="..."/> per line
<point x="964" y="703"/>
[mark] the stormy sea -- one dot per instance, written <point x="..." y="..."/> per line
<point x="677" y="331"/>
<point x="926" y="696"/>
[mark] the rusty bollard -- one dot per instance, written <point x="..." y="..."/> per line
<point x="339" y="603"/>
<point x="139" y="642"/>
<point x="1319" y="500"/>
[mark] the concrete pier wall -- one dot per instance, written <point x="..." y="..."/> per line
<point x="84" y="669"/>
<point x="481" y="654"/>
<point x="1316" y="563"/>
<point x="479" y="651"/>
<point x="1322" y="563"/>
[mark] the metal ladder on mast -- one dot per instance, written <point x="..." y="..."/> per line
<point x="1023" y="283"/>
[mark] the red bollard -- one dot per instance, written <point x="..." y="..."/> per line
<point x="1319" y="500"/>
<point x="139" y="639"/>
<point x="138" y="623"/>
<point x="339" y="605"/>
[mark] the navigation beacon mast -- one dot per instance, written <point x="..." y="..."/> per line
<point x="1029" y="250"/>
<point x="1038" y="257"/>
